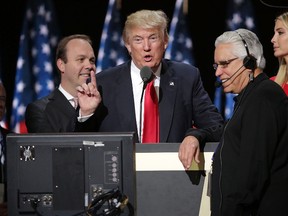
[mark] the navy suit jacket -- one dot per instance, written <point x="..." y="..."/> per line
<point x="183" y="103"/>
<point x="52" y="113"/>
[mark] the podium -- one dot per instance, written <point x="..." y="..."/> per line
<point x="165" y="188"/>
<point x="63" y="173"/>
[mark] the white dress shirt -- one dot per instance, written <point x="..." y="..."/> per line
<point x="137" y="85"/>
<point x="70" y="98"/>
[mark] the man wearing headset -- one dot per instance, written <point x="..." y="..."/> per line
<point x="250" y="165"/>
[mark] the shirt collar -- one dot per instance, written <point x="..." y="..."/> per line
<point x="135" y="73"/>
<point x="65" y="93"/>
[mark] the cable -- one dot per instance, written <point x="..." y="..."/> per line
<point x="115" y="203"/>
<point x="273" y="6"/>
<point x="111" y="203"/>
<point x="34" y="205"/>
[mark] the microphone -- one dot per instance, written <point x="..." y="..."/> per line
<point x="219" y="83"/>
<point x="146" y="74"/>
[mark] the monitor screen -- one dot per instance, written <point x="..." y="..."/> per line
<point x="71" y="174"/>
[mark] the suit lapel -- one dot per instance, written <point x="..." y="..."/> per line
<point x="167" y="97"/>
<point x="124" y="102"/>
<point x="60" y="110"/>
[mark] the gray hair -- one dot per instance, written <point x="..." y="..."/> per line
<point x="240" y="38"/>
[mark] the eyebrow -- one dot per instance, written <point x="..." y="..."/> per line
<point x="227" y="61"/>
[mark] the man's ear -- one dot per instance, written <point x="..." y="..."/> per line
<point x="128" y="47"/>
<point x="60" y="65"/>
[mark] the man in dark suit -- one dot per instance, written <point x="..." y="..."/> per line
<point x="186" y="113"/>
<point x="58" y="111"/>
<point x="3" y="164"/>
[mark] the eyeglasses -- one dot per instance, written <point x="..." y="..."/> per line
<point x="223" y="64"/>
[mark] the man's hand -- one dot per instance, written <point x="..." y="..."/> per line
<point x="88" y="96"/>
<point x="189" y="150"/>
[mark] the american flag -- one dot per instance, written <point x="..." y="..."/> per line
<point x="239" y="15"/>
<point x="112" y="51"/>
<point x="35" y="72"/>
<point x="180" y="44"/>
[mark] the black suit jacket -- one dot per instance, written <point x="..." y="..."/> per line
<point x="52" y="113"/>
<point x="3" y="179"/>
<point x="183" y="103"/>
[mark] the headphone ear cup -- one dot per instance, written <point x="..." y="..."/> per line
<point x="250" y="62"/>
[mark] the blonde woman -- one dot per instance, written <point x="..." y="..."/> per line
<point x="280" y="46"/>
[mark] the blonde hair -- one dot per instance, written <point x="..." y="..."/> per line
<point x="282" y="74"/>
<point x="146" y="19"/>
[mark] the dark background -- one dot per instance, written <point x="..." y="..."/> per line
<point x="206" y="22"/>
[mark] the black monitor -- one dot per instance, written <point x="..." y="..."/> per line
<point x="67" y="174"/>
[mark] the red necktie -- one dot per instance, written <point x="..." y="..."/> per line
<point x="151" y="115"/>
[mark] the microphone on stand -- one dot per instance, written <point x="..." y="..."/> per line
<point x="146" y="74"/>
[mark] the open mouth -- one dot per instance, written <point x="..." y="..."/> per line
<point x="147" y="58"/>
